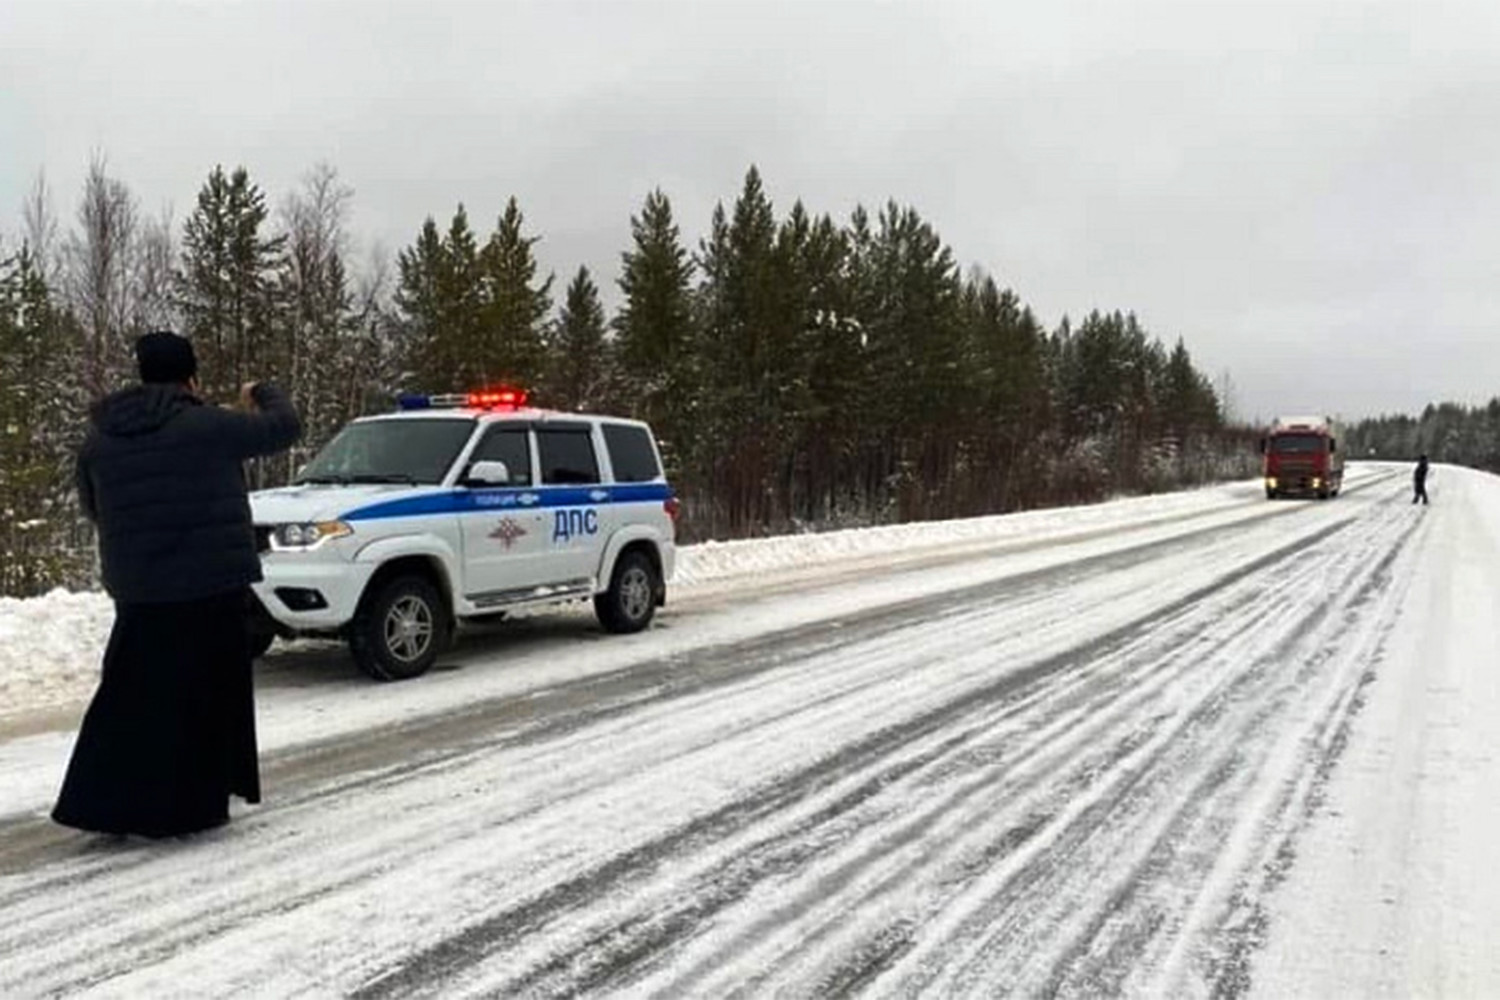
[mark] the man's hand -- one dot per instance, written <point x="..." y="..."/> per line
<point x="247" y="395"/>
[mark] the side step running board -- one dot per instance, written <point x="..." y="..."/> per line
<point x="567" y="590"/>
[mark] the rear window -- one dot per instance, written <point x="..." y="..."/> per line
<point x="567" y="456"/>
<point x="631" y="453"/>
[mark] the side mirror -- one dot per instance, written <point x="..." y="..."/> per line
<point x="1262" y="446"/>
<point x="488" y="474"/>
<point x="1333" y="444"/>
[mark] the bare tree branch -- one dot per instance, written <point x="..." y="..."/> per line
<point x="39" y="226"/>
<point x="100" y="258"/>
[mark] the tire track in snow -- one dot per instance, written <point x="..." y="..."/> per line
<point x="496" y="935"/>
<point x="1052" y="871"/>
<point x="831" y="674"/>
<point x="189" y="927"/>
<point x="347" y="762"/>
<point x="588" y="983"/>
<point x="1004" y="845"/>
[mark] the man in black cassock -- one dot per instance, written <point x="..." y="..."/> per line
<point x="170" y="733"/>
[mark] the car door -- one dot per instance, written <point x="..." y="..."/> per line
<point x="505" y="527"/>
<point x="573" y="495"/>
<point x="638" y="491"/>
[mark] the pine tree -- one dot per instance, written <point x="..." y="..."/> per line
<point x="419" y="300"/>
<point x="39" y="547"/>
<point x="744" y="322"/>
<point x="226" y="285"/>
<point x="462" y="338"/>
<point x="654" y="328"/>
<point x="1011" y="438"/>
<point x="512" y="346"/>
<point x="440" y="299"/>
<point x="580" y="355"/>
<point x="909" y="290"/>
<point x="820" y="364"/>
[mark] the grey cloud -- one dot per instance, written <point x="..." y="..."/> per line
<point x="1302" y="190"/>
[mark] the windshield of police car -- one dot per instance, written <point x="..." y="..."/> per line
<point x="390" y="451"/>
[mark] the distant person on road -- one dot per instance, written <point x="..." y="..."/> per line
<point x="1419" y="480"/>
<point x="170" y="734"/>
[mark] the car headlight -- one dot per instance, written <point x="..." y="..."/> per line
<point x="307" y="535"/>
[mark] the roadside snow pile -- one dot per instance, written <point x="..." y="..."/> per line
<point x="50" y="648"/>
<point x="708" y="561"/>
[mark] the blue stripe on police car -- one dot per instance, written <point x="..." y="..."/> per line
<point x="463" y="501"/>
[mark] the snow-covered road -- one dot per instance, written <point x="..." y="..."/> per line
<point x="1092" y="755"/>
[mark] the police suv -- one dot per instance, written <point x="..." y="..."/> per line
<point x="459" y="507"/>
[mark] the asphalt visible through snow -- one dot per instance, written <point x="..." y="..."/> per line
<point x="1083" y="775"/>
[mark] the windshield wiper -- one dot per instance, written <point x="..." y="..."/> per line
<point x="382" y="477"/>
<point x="322" y="480"/>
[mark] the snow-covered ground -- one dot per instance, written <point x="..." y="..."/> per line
<point x="50" y="647"/>
<point x="1198" y="744"/>
<point x="1396" y="891"/>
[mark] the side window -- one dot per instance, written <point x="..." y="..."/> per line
<point x="631" y="454"/>
<point x="508" y="445"/>
<point x="567" y="456"/>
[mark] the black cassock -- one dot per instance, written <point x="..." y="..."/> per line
<point x="170" y="734"/>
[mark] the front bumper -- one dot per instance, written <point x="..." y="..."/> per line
<point x="306" y="592"/>
<point x="1297" y="484"/>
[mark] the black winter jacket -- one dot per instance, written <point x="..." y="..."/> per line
<point x="161" y="475"/>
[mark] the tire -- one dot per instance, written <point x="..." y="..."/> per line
<point x="1270" y="494"/>
<point x="630" y="602"/>
<point x="400" y="630"/>
<point x="258" y="642"/>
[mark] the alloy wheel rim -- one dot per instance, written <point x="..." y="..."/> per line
<point x="635" y="593"/>
<point x="408" y="629"/>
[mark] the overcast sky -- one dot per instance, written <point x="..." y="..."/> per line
<point x="1307" y="192"/>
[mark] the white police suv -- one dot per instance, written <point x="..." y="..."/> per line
<point x="458" y="507"/>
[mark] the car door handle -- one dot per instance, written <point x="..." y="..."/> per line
<point x="598" y="496"/>
<point x="527" y="498"/>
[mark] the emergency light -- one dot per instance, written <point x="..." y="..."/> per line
<point x="482" y="399"/>
<point x="489" y="399"/>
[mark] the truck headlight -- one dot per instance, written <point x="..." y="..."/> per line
<point x="307" y="535"/>
<point x="1271" y="482"/>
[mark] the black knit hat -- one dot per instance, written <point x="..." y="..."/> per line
<point x="163" y="356"/>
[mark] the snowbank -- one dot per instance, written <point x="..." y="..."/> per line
<point x="51" y="646"/>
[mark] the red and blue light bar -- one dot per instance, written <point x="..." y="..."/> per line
<point x="482" y="399"/>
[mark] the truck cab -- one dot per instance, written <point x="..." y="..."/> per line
<point x="1301" y="456"/>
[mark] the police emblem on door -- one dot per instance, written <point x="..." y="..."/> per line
<point x="508" y="531"/>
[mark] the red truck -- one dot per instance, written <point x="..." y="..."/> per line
<point x="1302" y="457"/>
